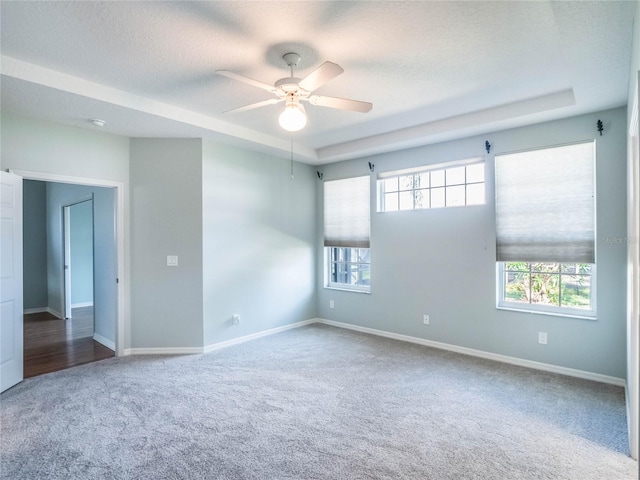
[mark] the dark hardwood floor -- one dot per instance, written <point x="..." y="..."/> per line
<point x="51" y="344"/>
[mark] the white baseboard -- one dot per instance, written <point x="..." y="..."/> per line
<point x="28" y="311"/>
<point x="80" y="305"/>
<point x="254" y="336"/>
<point x="104" y="341"/>
<point x="163" y="351"/>
<point x="571" y="372"/>
<point x="55" y="313"/>
<point x="215" y="346"/>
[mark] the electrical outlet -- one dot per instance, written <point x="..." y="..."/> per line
<point x="425" y="319"/>
<point x="331" y="304"/>
<point x="236" y="318"/>
<point x="542" y="338"/>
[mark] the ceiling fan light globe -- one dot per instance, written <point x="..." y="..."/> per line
<point x="293" y="118"/>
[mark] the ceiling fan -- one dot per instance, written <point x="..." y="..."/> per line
<point x="293" y="90"/>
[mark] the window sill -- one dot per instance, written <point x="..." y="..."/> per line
<point x="592" y="318"/>
<point x="347" y="289"/>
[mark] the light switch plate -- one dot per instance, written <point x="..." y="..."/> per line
<point x="172" y="260"/>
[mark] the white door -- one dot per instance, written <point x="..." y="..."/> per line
<point x="11" y="280"/>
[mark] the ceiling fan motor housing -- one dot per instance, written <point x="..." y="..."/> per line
<point x="287" y="85"/>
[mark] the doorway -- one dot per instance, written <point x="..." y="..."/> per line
<point x="78" y="258"/>
<point x="73" y="320"/>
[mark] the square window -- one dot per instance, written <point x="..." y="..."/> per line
<point x="437" y="197"/>
<point x="455" y="196"/>
<point x="475" y="194"/>
<point x="421" y="198"/>
<point x="406" y="200"/>
<point x="437" y="178"/>
<point x="391" y="202"/>
<point x="391" y="184"/>
<point x="455" y="176"/>
<point x="475" y="173"/>
<point x="349" y="268"/>
<point x="421" y="180"/>
<point x="406" y="182"/>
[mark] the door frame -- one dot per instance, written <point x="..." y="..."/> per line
<point x="633" y="272"/>
<point x="66" y="253"/>
<point x="121" y="321"/>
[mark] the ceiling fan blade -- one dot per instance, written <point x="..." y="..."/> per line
<point x="264" y="103"/>
<point x="321" y="75"/>
<point x="250" y="81"/>
<point x="341" y="103"/>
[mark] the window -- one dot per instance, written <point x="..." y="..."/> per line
<point x="458" y="185"/>
<point x="552" y="287"/>
<point x="545" y="229"/>
<point x="346" y="234"/>
<point x="349" y="267"/>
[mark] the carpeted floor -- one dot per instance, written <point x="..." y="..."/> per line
<point x="313" y="403"/>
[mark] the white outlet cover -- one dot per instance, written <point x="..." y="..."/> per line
<point x="172" y="260"/>
<point x="542" y="338"/>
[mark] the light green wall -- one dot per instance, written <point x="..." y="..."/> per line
<point x="259" y="242"/>
<point x="249" y="242"/>
<point x="442" y="261"/>
<point x="47" y="147"/>
<point x="35" y="244"/>
<point x="81" y="231"/>
<point x="166" y="219"/>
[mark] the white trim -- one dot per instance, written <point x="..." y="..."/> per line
<point x="122" y="322"/>
<point x="28" y="311"/>
<point x="82" y="304"/>
<point x="254" y="336"/>
<point x="633" y="121"/>
<point x="55" y="313"/>
<point x="163" y="351"/>
<point x="104" y="341"/>
<point x="571" y="372"/>
<point x="219" y="345"/>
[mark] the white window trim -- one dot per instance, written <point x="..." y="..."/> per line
<point x="533" y="308"/>
<point x="329" y="285"/>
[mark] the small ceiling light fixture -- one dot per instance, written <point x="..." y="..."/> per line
<point x="97" y="122"/>
<point x="293" y="118"/>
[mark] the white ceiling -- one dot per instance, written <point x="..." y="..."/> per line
<point x="433" y="70"/>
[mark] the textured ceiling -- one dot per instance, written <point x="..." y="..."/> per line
<point x="433" y="70"/>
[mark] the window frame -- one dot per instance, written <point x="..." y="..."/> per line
<point x="444" y="167"/>
<point x="559" y="311"/>
<point x="328" y="263"/>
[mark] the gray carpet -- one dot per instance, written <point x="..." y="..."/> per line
<point x="313" y="403"/>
